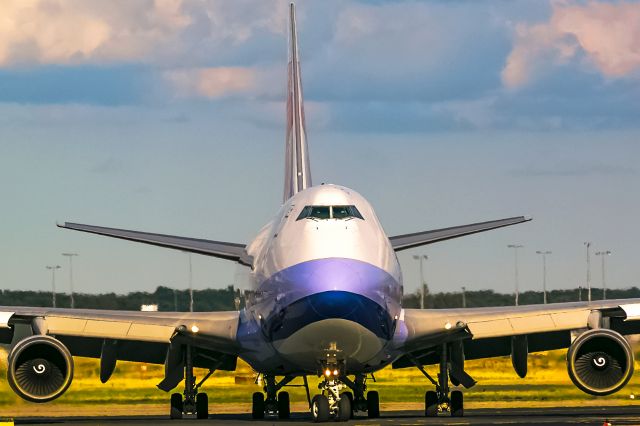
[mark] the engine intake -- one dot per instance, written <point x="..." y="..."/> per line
<point x="600" y="362"/>
<point x="40" y="368"/>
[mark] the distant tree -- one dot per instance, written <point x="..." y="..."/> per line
<point x="211" y="299"/>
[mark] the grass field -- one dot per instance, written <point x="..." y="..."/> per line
<point x="132" y="389"/>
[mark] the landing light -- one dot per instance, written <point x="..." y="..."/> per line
<point x="335" y="372"/>
<point x="447" y="326"/>
<point x="327" y="372"/>
<point x="194" y="329"/>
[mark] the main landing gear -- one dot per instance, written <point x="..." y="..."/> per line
<point x="191" y="401"/>
<point x="275" y="403"/>
<point x="370" y="404"/>
<point x="441" y="400"/>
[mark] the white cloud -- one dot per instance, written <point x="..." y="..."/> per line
<point x="608" y="34"/>
<point x="140" y="31"/>
<point x="212" y="82"/>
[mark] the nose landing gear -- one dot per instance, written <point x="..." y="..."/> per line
<point x="330" y="403"/>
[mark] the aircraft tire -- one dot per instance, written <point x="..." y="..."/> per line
<point x="257" y="406"/>
<point x="430" y="404"/>
<point x="320" y="408"/>
<point x="373" y="404"/>
<point x="202" y="406"/>
<point x="457" y="403"/>
<point x="176" y="406"/>
<point x="284" y="407"/>
<point x="344" y="409"/>
<point x="349" y="395"/>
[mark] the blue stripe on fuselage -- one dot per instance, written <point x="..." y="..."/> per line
<point x="328" y="288"/>
<point x="330" y="305"/>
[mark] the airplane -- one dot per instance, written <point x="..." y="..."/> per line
<point x="325" y="300"/>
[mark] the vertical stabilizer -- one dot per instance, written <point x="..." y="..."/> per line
<point x="297" y="171"/>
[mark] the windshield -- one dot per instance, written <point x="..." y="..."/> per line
<point x="329" y="212"/>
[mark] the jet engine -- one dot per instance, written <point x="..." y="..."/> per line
<point x="600" y="362"/>
<point x="40" y="368"/>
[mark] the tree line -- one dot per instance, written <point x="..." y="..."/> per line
<point x="228" y="298"/>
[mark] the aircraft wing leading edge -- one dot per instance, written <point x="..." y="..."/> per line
<point x="223" y="250"/>
<point x="488" y="331"/>
<point x="407" y="241"/>
<point x="152" y="337"/>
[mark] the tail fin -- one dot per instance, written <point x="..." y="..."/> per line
<point x="297" y="169"/>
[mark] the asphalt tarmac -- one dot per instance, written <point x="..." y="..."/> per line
<point x="516" y="416"/>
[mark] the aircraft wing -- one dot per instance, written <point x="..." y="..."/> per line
<point x="488" y="332"/>
<point x="229" y="251"/>
<point x="152" y="337"/>
<point x="407" y="241"/>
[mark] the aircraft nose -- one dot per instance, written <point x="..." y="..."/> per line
<point x="331" y="305"/>
<point x="335" y="304"/>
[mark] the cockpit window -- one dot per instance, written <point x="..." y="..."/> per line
<point x="329" y="212"/>
<point x="345" y="212"/>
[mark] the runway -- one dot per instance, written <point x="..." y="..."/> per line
<point x="515" y="416"/>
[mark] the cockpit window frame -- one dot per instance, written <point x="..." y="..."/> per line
<point x="307" y="211"/>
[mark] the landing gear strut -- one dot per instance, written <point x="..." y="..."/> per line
<point x="191" y="401"/>
<point x="370" y="404"/>
<point x="441" y="400"/>
<point x="275" y="402"/>
<point x="330" y="403"/>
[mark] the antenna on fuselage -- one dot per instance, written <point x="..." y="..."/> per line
<point x="297" y="169"/>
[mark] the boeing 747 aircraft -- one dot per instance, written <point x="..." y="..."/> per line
<point x="326" y="301"/>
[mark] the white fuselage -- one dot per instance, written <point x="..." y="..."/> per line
<point x="318" y="282"/>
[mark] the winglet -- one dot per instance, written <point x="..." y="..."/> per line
<point x="297" y="168"/>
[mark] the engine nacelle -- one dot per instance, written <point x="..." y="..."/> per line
<point x="40" y="368"/>
<point x="600" y="362"/>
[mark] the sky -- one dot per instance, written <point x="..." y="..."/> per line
<point x="168" y="116"/>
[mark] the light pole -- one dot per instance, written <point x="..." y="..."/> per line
<point x="464" y="297"/>
<point x="70" y="256"/>
<point x="53" y="282"/>
<point x="175" y="300"/>
<point x="588" y="245"/>
<point x="579" y="293"/>
<point x="602" y="255"/>
<point x="544" y="274"/>
<point x="423" y="284"/>
<point x="515" y="248"/>
<point x="190" y="284"/>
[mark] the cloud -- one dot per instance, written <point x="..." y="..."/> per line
<point x="72" y="32"/>
<point x="212" y="82"/>
<point x="604" y="36"/>
<point x="412" y="51"/>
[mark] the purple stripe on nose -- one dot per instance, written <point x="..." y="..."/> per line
<point x="333" y="274"/>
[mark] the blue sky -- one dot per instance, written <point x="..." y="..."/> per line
<point x="168" y="116"/>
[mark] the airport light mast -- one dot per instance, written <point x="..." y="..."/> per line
<point x="603" y="255"/>
<point x="588" y="245"/>
<point x="515" y="248"/>
<point x="190" y="283"/>
<point x="53" y="268"/>
<point x="70" y="256"/>
<point x="423" y="284"/>
<point x="464" y="297"/>
<point x="544" y="273"/>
